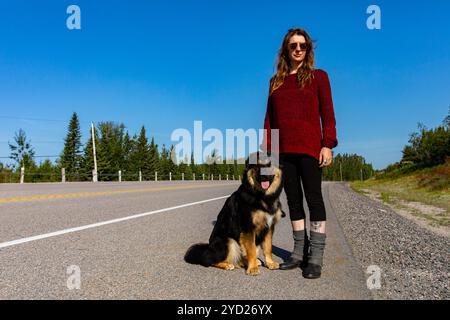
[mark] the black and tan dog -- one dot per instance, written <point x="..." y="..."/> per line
<point x="246" y="221"/>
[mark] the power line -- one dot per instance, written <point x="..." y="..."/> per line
<point x="155" y="134"/>
<point x="51" y="120"/>
<point x="41" y="119"/>
<point x="36" y="141"/>
<point x="34" y="157"/>
<point x="32" y="119"/>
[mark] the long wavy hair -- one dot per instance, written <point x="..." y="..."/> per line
<point x="305" y="73"/>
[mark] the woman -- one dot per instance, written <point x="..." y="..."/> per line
<point x="301" y="107"/>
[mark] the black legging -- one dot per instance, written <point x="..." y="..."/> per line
<point x="304" y="168"/>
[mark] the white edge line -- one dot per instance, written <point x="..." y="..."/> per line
<point x="99" y="224"/>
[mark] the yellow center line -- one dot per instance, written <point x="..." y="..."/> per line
<point x="90" y="194"/>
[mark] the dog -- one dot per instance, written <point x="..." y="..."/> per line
<point x="246" y="221"/>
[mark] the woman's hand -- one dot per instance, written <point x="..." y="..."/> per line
<point x="325" y="157"/>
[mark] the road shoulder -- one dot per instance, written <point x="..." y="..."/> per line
<point x="412" y="261"/>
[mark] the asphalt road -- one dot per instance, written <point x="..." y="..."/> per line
<point x="46" y="228"/>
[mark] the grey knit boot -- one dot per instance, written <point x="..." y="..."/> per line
<point x="299" y="244"/>
<point x="313" y="269"/>
<point x="299" y="252"/>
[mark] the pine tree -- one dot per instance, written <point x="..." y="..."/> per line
<point x="184" y="168"/>
<point x="167" y="165"/>
<point x="127" y="149"/>
<point x="192" y="164"/>
<point x="141" y="156"/>
<point x="119" y="147"/>
<point x="154" y="156"/>
<point x="164" y="163"/>
<point x="214" y="161"/>
<point x="71" y="156"/>
<point x="22" y="152"/>
<point x="109" y="150"/>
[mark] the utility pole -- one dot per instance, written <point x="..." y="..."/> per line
<point x="94" y="173"/>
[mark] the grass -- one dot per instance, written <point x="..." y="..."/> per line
<point x="385" y="197"/>
<point x="429" y="186"/>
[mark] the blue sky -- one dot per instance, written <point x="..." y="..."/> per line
<point x="164" y="64"/>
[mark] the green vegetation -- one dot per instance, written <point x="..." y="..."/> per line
<point x="422" y="176"/>
<point x="71" y="156"/>
<point x="348" y="167"/>
<point x="21" y="150"/>
<point x="115" y="150"/>
<point x="429" y="186"/>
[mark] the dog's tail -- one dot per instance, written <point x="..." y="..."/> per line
<point x="196" y="254"/>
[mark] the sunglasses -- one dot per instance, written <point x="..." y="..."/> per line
<point x="294" y="45"/>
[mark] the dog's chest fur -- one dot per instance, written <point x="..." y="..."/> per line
<point x="262" y="219"/>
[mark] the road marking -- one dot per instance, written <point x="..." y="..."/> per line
<point x="99" y="224"/>
<point x="96" y="193"/>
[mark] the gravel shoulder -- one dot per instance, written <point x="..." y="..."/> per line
<point x="413" y="261"/>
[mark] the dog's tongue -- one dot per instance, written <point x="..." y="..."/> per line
<point x="265" y="184"/>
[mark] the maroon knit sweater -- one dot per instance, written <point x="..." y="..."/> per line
<point x="297" y="113"/>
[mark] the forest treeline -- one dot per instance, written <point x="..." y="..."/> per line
<point x="426" y="148"/>
<point x="137" y="157"/>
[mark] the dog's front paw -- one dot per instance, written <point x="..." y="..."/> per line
<point x="254" y="271"/>
<point x="273" y="265"/>
<point x="229" y="267"/>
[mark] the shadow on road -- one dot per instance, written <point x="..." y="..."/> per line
<point x="281" y="253"/>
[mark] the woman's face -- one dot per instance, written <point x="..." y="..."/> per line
<point x="296" y="52"/>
